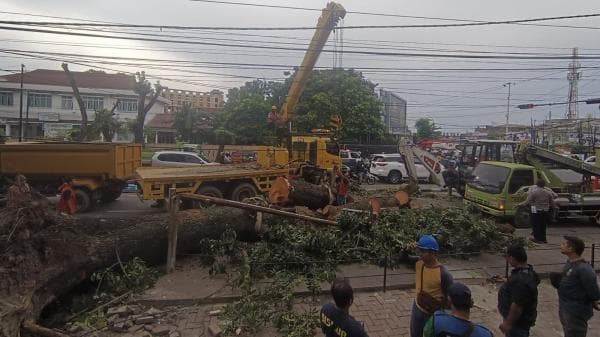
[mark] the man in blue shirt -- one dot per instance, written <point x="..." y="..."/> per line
<point x="578" y="292"/>
<point x="456" y="323"/>
<point x="335" y="318"/>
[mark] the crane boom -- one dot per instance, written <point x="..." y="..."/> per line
<point x="330" y="16"/>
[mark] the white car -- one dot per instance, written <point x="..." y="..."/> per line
<point x="390" y="167"/>
<point x="590" y="160"/>
<point x="179" y="158"/>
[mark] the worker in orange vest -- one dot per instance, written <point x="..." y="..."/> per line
<point x="68" y="200"/>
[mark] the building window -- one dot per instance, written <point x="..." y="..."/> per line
<point x="66" y="102"/>
<point x="93" y="102"/>
<point x="127" y="105"/>
<point x="40" y="100"/>
<point x="6" y="98"/>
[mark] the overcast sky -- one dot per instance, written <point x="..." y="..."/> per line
<point x="457" y="100"/>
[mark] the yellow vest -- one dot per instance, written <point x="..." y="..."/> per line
<point x="432" y="281"/>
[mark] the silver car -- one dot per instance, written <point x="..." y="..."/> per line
<point x="178" y="158"/>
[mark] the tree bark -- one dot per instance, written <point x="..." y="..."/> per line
<point x="84" y="120"/>
<point x="300" y="193"/>
<point x="37" y="270"/>
<point x="143" y="109"/>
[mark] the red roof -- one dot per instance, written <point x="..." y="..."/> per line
<point x="161" y="121"/>
<point x="87" y="79"/>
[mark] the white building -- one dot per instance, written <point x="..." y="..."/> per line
<point x="50" y="109"/>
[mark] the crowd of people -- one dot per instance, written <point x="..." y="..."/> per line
<point x="442" y="307"/>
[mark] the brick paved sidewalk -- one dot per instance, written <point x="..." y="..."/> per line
<point x="388" y="314"/>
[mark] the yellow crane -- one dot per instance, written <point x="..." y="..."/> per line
<point x="330" y="16"/>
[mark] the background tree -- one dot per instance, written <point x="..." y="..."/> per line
<point x="82" y="134"/>
<point x="344" y="92"/>
<point x="143" y="88"/>
<point x="184" y="121"/>
<point x="246" y="110"/>
<point x="328" y="92"/>
<point x="426" y="128"/>
<point x="106" y="123"/>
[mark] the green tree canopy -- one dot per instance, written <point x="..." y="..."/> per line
<point x="328" y="92"/>
<point x="426" y="128"/>
<point x="343" y="92"/>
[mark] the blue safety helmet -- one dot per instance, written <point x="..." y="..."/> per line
<point x="428" y="242"/>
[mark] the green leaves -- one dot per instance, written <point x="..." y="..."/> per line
<point x="295" y="253"/>
<point x="426" y="128"/>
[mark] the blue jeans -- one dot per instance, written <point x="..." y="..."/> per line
<point x="340" y="199"/>
<point x="573" y="325"/>
<point x="418" y="319"/>
<point x="518" y="332"/>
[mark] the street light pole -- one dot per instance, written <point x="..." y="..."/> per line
<point x="509" y="84"/>
<point x="21" y="107"/>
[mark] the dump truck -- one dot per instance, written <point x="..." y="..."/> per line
<point x="99" y="170"/>
<point x="497" y="187"/>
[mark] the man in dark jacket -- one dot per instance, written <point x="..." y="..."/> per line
<point x="335" y="318"/>
<point x="518" y="297"/>
<point x="578" y="289"/>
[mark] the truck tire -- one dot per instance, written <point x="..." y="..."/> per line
<point x="211" y="191"/>
<point x="522" y="218"/>
<point x="394" y="177"/>
<point x="84" y="200"/>
<point x="110" y="196"/>
<point x="243" y="191"/>
<point x="208" y="190"/>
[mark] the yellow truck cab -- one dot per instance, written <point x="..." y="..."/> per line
<point x="317" y="150"/>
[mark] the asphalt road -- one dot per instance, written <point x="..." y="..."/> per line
<point x="130" y="204"/>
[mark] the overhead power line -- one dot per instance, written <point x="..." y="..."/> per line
<point x="291" y="48"/>
<point x="375" y="14"/>
<point x="467" y="24"/>
<point x="286" y="66"/>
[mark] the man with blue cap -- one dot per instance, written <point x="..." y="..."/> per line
<point x="432" y="281"/>
<point x="455" y="323"/>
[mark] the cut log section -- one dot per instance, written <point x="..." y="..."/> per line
<point x="300" y="193"/>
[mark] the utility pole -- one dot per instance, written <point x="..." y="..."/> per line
<point x="21" y="107"/>
<point x="574" y="76"/>
<point x="509" y="84"/>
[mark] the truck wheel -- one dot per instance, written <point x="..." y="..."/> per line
<point x="522" y="218"/>
<point x="243" y="191"/>
<point x="210" y="191"/>
<point x="395" y="177"/>
<point x="110" y="196"/>
<point x="84" y="200"/>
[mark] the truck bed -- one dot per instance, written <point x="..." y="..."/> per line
<point x="155" y="182"/>
<point x="114" y="161"/>
<point x="206" y="172"/>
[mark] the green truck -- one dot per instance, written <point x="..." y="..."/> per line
<point x="496" y="187"/>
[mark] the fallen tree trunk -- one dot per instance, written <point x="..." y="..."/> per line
<point x="299" y="193"/>
<point x="37" y="270"/>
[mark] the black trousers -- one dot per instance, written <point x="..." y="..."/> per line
<point x="539" y="223"/>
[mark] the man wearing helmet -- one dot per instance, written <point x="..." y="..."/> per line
<point x="432" y="281"/>
<point x="273" y="116"/>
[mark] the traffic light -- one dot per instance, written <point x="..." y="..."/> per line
<point x="526" y="106"/>
<point x="335" y="121"/>
<point x="593" y="101"/>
